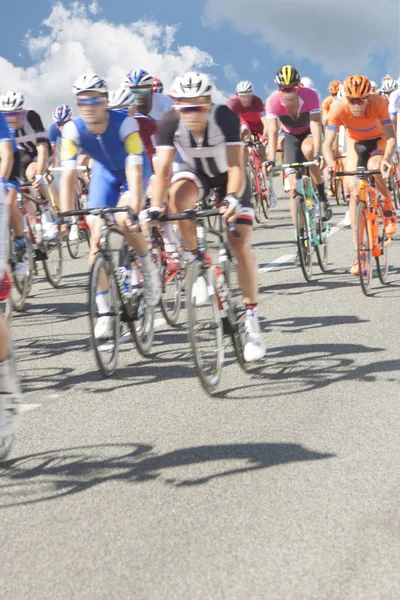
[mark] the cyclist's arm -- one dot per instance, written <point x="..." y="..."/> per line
<point x="390" y="135"/>
<point x="264" y="121"/>
<point x="329" y="145"/>
<point x="165" y="158"/>
<point x="272" y="132"/>
<point x="316" y="130"/>
<point x="68" y="155"/>
<point x="6" y="158"/>
<point x="133" y="168"/>
<point x="42" y="158"/>
<point x="234" y="155"/>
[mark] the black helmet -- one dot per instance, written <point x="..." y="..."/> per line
<point x="287" y="76"/>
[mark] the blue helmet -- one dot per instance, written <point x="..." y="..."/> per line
<point x="138" y="78"/>
<point x="62" y="113"/>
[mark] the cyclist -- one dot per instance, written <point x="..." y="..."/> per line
<point x="8" y="399"/>
<point x="148" y="103"/>
<point x="329" y="100"/>
<point x="298" y="109"/>
<point x="308" y="83"/>
<point x="251" y="111"/>
<point x="112" y="139"/>
<point x="374" y="87"/>
<point x="207" y="136"/>
<point x="61" y="115"/>
<point x="388" y="86"/>
<point x="370" y="143"/>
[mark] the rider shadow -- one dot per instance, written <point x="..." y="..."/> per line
<point x="50" y="475"/>
<point x="293" y="370"/>
<point x="303" y="287"/>
<point x="293" y="325"/>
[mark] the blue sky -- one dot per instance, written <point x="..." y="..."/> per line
<point x="241" y="37"/>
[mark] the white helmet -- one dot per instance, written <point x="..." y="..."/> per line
<point x="374" y="85"/>
<point x="388" y="86"/>
<point x="90" y="82"/>
<point x="12" y="101"/>
<point x="245" y="88"/>
<point x="307" y="82"/>
<point x="341" y="93"/>
<point x="191" y="85"/>
<point x="121" y="98"/>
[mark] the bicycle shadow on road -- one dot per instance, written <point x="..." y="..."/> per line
<point x="297" y="369"/>
<point x="63" y="472"/>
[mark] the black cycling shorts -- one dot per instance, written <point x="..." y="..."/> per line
<point x="292" y="151"/>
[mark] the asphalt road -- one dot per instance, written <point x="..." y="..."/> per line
<point x="283" y="486"/>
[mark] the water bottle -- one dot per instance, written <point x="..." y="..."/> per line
<point x="83" y="201"/>
<point x="125" y="273"/>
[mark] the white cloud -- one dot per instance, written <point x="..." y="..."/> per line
<point x="255" y="64"/>
<point x="76" y="42"/>
<point x="342" y="35"/>
<point x="94" y="8"/>
<point x="231" y="73"/>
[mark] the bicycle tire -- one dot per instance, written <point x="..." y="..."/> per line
<point x="396" y="191"/>
<point x="265" y="203"/>
<point x="209" y="378"/>
<point x="142" y="328"/>
<point x="22" y="286"/>
<point x="54" y="278"/>
<point x="73" y="247"/>
<point x="321" y="249"/>
<point x="304" y="244"/>
<point x="107" y="367"/>
<point x="172" y="284"/>
<point x="7" y="443"/>
<point x="364" y="251"/>
<point x="382" y="261"/>
<point x="257" y="202"/>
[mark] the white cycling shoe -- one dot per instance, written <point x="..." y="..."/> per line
<point x="152" y="285"/>
<point x="74" y="233"/>
<point x="103" y="329"/>
<point x="50" y="231"/>
<point x="200" y="292"/>
<point x="255" y="347"/>
<point x="347" y="222"/>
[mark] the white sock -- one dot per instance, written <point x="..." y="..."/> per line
<point x="103" y="305"/>
<point x="146" y="261"/>
<point x="6" y="383"/>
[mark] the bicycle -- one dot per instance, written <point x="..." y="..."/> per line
<point x="372" y="241"/>
<point x="394" y="181"/>
<point x="123" y="308"/>
<point x="259" y="185"/>
<point x="48" y="252"/>
<point x="213" y="308"/>
<point x="336" y="183"/>
<point x="170" y="269"/>
<point x="7" y="442"/>
<point x="21" y="283"/>
<point x="311" y="231"/>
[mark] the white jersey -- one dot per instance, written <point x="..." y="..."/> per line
<point x="161" y="103"/>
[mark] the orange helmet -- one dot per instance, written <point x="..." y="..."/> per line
<point x="334" y="87"/>
<point x="357" y="86"/>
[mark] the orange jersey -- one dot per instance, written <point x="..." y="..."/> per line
<point x="326" y="105"/>
<point x="368" y="126"/>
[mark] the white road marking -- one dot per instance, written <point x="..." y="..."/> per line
<point x="282" y="260"/>
<point x="28" y="407"/>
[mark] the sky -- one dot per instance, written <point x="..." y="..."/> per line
<point x="231" y="40"/>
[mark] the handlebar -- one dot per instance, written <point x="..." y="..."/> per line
<point x="362" y="173"/>
<point x="58" y="169"/>
<point x="194" y="215"/>
<point x="100" y="212"/>
<point x="309" y="163"/>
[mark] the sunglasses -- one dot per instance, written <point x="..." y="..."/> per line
<point x="142" y="91"/>
<point x="288" y="89"/>
<point x="357" y="100"/>
<point x="89" y="101"/>
<point x="191" y="108"/>
<point x="14" y="113"/>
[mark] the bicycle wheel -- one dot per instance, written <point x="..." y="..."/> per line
<point x="395" y="189"/>
<point x="339" y="191"/>
<point x="204" y="326"/>
<point x="105" y="347"/>
<point x="364" y="251"/>
<point x="265" y="203"/>
<point x="73" y="246"/>
<point x="21" y="283"/>
<point x="6" y="443"/>
<point x="171" y="296"/>
<point x="322" y="249"/>
<point x="257" y="201"/>
<point x="142" y="327"/>
<point x="382" y="261"/>
<point x="304" y="244"/>
<point x="53" y="264"/>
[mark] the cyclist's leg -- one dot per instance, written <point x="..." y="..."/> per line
<point x="389" y="213"/>
<point x="187" y="189"/>
<point x="292" y="154"/>
<point x="307" y="148"/>
<point x="353" y="160"/>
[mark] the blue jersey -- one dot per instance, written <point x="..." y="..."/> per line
<point x="6" y="134"/>
<point x="54" y="133"/>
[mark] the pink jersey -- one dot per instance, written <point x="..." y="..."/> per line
<point x="309" y="104"/>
